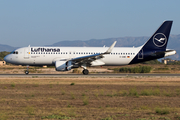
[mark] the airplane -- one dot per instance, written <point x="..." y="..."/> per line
<point x="67" y="58"/>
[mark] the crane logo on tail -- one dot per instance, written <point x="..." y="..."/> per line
<point x="159" y="39"/>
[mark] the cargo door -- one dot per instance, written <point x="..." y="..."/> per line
<point x="140" y="54"/>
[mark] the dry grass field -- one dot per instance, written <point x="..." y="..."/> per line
<point x="127" y="98"/>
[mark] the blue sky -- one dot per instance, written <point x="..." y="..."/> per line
<point x="44" y="22"/>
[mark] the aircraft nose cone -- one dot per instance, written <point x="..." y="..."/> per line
<point x="7" y="58"/>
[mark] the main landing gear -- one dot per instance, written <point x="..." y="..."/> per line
<point x="27" y="70"/>
<point x="85" y="72"/>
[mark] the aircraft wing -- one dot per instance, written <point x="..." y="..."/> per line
<point x="90" y="58"/>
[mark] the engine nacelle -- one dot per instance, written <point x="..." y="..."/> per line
<point x="63" y="65"/>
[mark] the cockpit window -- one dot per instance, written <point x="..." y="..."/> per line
<point x="14" y="52"/>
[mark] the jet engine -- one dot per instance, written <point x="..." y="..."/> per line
<point x="63" y="65"/>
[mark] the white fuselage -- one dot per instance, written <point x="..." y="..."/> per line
<point x="48" y="55"/>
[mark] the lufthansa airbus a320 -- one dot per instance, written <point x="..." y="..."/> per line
<point x="67" y="58"/>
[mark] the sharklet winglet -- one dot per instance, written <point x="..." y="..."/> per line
<point x="110" y="48"/>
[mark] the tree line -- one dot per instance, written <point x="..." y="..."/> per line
<point x="3" y="54"/>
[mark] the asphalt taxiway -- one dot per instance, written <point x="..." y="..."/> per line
<point x="90" y="75"/>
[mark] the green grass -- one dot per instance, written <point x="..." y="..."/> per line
<point x="162" y="111"/>
<point x="83" y="94"/>
<point x="85" y="100"/>
<point x="167" y="93"/>
<point x="150" y="92"/>
<point x="156" y="92"/>
<point x="177" y="91"/>
<point x="123" y="93"/>
<point x="96" y="94"/>
<point x="51" y="86"/>
<point x="107" y="118"/>
<point x="30" y="110"/>
<point x="63" y="92"/>
<point x="102" y="92"/>
<point x="72" y="95"/>
<point x="55" y="117"/>
<point x="133" y="92"/>
<point x="13" y="85"/>
<point x="3" y="116"/>
<point x="36" y="85"/>
<point x="72" y="84"/>
<point x="72" y="112"/>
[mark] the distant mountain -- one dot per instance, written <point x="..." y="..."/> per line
<point x="121" y="42"/>
<point x="6" y="48"/>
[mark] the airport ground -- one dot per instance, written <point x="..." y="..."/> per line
<point x="129" y="98"/>
<point x="81" y="98"/>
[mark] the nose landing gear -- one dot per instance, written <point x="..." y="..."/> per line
<point x="27" y="70"/>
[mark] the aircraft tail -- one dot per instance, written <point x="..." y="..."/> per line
<point x="155" y="47"/>
<point x="160" y="38"/>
